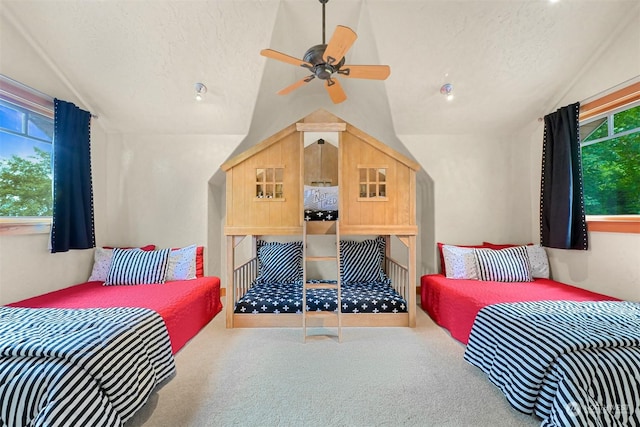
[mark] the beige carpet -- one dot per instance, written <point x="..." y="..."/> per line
<point x="375" y="377"/>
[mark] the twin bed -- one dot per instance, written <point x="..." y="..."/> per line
<point x="92" y="354"/>
<point x="565" y="354"/>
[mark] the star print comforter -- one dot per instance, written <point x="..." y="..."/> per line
<point x="287" y="298"/>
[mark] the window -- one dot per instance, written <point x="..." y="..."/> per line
<point x="610" y="141"/>
<point x="373" y="183"/>
<point x="26" y="137"/>
<point x="269" y="183"/>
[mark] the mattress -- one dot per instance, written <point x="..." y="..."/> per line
<point x="185" y="306"/>
<point x="454" y="303"/>
<point x="320" y="215"/>
<point x="287" y="298"/>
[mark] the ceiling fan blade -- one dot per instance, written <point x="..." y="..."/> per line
<point x="341" y="41"/>
<point x="296" y="85"/>
<point x="373" y="72"/>
<point x="273" y="54"/>
<point x="335" y="90"/>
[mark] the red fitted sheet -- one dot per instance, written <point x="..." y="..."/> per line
<point x="186" y="306"/>
<point x="454" y="303"/>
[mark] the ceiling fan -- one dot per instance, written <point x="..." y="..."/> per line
<point x="326" y="61"/>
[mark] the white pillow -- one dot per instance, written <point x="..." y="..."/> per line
<point x="101" y="263"/>
<point x="538" y="261"/>
<point x="460" y="263"/>
<point x="182" y="264"/>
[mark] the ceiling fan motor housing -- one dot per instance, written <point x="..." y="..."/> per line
<point x="321" y="69"/>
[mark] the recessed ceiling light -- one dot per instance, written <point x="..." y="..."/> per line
<point x="201" y="89"/>
<point x="447" y="90"/>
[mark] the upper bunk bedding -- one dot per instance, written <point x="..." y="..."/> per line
<point x="60" y="367"/>
<point x="320" y="203"/>
<point x="571" y="363"/>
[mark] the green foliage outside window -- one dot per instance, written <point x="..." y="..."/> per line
<point x="25" y="185"/>
<point x="611" y="165"/>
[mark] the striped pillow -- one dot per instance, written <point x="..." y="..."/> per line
<point x="279" y="262"/>
<point x="504" y="265"/>
<point x="361" y="262"/>
<point x="138" y="267"/>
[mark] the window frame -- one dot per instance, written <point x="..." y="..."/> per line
<point x="37" y="102"/>
<point x="605" y="105"/>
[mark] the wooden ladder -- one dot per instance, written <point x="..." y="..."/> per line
<point x="331" y="228"/>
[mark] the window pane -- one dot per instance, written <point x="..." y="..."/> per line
<point x="260" y="175"/>
<point x="11" y="118"/>
<point x="270" y="175"/>
<point x="40" y="127"/>
<point x="382" y="175"/>
<point x="594" y="130"/>
<point x="363" y="190"/>
<point x="372" y="190"/>
<point x="372" y="175"/>
<point x="279" y="174"/>
<point x="626" y="120"/>
<point x="383" y="190"/>
<point x="611" y="176"/>
<point x="363" y="175"/>
<point x="259" y="191"/>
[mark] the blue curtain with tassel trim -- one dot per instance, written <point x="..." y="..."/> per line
<point x="73" y="226"/>
<point x="562" y="217"/>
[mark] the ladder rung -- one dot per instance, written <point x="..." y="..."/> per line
<point x="322" y="313"/>
<point x="315" y="285"/>
<point x="321" y="258"/>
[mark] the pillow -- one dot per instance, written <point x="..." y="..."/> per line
<point x="538" y="261"/>
<point x="200" y="261"/>
<point x="138" y="267"/>
<point x="279" y="262"/>
<point x="361" y="262"/>
<point x="182" y="263"/>
<point x="503" y="265"/>
<point x="443" y="267"/>
<point x="537" y="258"/>
<point x="321" y="198"/>
<point x="102" y="262"/>
<point x="460" y="262"/>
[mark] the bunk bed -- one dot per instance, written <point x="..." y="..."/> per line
<point x="282" y="193"/>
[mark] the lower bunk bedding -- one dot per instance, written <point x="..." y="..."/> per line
<point x="90" y="367"/>
<point x="571" y="363"/>
<point x="371" y="297"/>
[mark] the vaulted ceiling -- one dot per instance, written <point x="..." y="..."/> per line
<point x="135" y="63"/>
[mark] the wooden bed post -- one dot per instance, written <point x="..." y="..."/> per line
<point x="231" y="286"/>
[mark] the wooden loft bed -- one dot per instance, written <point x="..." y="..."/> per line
<point x="264" y="197"/>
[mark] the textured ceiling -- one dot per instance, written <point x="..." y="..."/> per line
<point x="135" y="63"/>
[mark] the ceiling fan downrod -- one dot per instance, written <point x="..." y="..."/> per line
<point x="324" y="2"/>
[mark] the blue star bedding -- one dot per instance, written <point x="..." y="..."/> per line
<point x="320" y="215"/>
<point x="371" y="297"/>
<point x="571" y="363"/>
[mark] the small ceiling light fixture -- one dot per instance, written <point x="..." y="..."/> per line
<point x="447" y="89"/>
<point x="201" y="89"/>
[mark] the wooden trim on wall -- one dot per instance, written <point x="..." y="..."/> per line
<point x="609" y="102"/>
<point x="614" y="224"/>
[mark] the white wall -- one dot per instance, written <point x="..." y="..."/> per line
<point x="612" y="263"/>
<point x="27" y="268"/>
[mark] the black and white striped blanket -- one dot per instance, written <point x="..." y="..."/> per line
<point x="79" y="367"/>
<point x="571" y="363"/>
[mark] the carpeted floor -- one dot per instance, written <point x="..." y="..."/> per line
<point x="375" y="377"/>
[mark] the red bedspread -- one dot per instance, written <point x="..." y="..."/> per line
<point x="186" y="306"/>
<point x="454" y="303"/>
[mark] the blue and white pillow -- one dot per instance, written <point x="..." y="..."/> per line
<point x="504" y="265"/>
<point x="361" y="262"/>
<point x="279" y="262"/>
<point x="138" y="267"/>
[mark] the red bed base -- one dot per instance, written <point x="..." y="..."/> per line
<point x="454" y="303"/>
<point x="186" y="306"/>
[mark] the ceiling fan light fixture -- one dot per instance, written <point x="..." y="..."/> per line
<point x="447" y="90"/>
<point x="201" y="89"/>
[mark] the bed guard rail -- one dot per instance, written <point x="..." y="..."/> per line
<point x="399" y="275"/>
<point x="243" y="277"/>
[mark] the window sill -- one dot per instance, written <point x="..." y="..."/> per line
<point x="27" y="225"/>
<point x="614" y="224"/>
